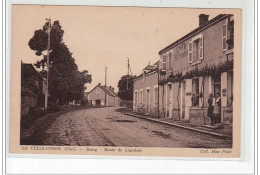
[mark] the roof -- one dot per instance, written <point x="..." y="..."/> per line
<point x="152" y="69"/>
<point x="207" y="24"/>
<point x="29" y="71"/>
<point x="105" y="89"/>
<point x="108" y="91"/>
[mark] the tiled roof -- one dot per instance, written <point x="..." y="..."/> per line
<point x="154" y="67"/>
<point x="105" y="89"/>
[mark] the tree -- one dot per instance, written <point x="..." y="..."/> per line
<point x="66" y="82"/>
<point x="124" y="93"/>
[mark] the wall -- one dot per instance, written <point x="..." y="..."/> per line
<point x="199" y="116"/>
<point x="93" y="96"/>
<point x="150" y="82"/>
<point x="213" y="52"/>
<point x="26" y="103"/>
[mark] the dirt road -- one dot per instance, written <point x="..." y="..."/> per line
<point x="106" y="127"/>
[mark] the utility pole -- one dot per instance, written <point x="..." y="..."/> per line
<point x="105" y="85"/>
<point x="127" y="74"/>
<point x="48" y="64"/>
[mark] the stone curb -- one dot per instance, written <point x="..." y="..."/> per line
<point x="180" y="126"/>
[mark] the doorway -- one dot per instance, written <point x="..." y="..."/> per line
<point x="169" y="100"/>
<point x="217" y="89"/>
<point x="147" y="101"/>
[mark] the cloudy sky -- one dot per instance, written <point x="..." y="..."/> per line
<point x="102" y="37"/>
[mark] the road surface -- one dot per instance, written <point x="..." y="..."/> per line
<point x="106" y="127"/>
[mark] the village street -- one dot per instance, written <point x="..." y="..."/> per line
<point x="106" y="127"/>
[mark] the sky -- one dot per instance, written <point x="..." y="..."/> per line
<point x="102" y="37"/>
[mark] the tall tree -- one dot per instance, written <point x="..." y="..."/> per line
<point x="66" y="82"/>
<point x="123" y="92"/>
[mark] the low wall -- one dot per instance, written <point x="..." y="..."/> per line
<point x="228" y="117"/>
<point x="26" y="103"/>
<point x="176" y="114"/>
<point x="199" y="116"/>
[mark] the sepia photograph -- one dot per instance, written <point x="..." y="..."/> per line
<point x="125" y="80"/>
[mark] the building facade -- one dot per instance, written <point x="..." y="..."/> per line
<point x="196" y="65"/>
<point x="145" y="97"/>
<point x="102" y="96"/>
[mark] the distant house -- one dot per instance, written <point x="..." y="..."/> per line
<point x="32" y="88"/>
<point x="103" y="96"/>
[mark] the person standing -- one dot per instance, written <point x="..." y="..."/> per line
<point x="217" y="108"/>
<point x="211" y="108"/>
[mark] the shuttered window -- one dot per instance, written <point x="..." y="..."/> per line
<point x="190" y="52"/>
<point x="201" y="43"/>
<point x="170" y="61"/>
<point x="164" y="63"/>
<point x="224" y="37"/>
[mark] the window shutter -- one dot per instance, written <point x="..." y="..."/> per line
<point x="224" y="37"/>
<point x="190" y="52"/>
<point x="201" y="48"/>
<point x="167" y="63"/>
<point x="164" y="63"/>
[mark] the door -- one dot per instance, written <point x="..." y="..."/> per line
<point x="217" y="89"/>
<point x="183" y="100"/>
<point x="169" y="100"/>
<point x="217" y="84"/>
<point x="147" y="101"/>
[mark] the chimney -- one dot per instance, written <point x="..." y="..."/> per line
<point x="111" y="88"/>
<point x="203" y="19"/>
<point x="99" y="84"/>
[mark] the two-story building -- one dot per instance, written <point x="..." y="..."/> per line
<point x="145" y="98"/>
<point x="197" y="64"/>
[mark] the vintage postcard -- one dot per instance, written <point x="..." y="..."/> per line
<point x="125" y="81"/>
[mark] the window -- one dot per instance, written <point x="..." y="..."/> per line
<point x="164" y="63"/>
<point x="201" y="48"/>
<point x="155" y="95"/>
<point x="196" y="49"/>
<point x="190" y="51"/>
<point x="141" y="96"/>
<point x="230" y="85"/>
<point x="170" y="61"/>
<point x="230" y="34"/>
<point x="195" y="92"/>
<point x="136" y="97"/>
<point x="224" y="37"/>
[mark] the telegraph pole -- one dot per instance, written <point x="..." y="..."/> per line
<point x="127" y="73"/>
<point x="48" y="64"/>
<point x="105" y="85"/>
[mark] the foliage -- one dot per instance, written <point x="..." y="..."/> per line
<point x="66" y="82"/>
<point x="36" y="111"/>
<point x="123" y="92"/>
<point x="53" y="107"/>
<point x="204" y="71"/>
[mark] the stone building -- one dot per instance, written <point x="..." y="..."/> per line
<point x="197" y="64"/>
<point x="145" y="98"/>
<point x="102" y="96"/>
